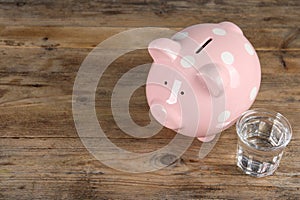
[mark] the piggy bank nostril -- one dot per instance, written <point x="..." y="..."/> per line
<point x="159" y="113"/>
<point x="166" y="117"/>
<point x="158" y="110"/>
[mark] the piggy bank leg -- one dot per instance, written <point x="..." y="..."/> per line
<point x="208" y="144"/>
<point x="206" y="138"/>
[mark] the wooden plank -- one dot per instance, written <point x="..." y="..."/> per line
<point x="262" y="38"/>
<point x="18" y="149"/>
<point x="137" y="13"/>
<point x="87" y="188"/>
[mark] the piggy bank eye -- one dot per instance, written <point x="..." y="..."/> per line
<point x="166" y="82"/>
<point x="182" y="92"/>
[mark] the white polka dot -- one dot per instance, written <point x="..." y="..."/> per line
<point x="249" y="49"/>
<point x="180" y="35"/>
<point x="227" y="58"/>
<point x="223" y="116"/>
<point x="253" y="93"/>
<point x="219" y="31"/>
<point x="187" y="61"/>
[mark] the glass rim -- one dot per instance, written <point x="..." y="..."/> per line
<point x="276" y="115"/>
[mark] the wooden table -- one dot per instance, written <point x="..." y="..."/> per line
<point x="42" y="45"/>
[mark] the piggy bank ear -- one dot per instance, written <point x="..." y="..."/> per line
<point x="163" y="49"/>
<point x="231" y="26"/>
<point x="215" y="82"/>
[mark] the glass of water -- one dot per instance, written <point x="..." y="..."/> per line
<point x="262" y="138"/>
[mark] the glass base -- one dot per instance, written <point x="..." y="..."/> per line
<point x="254" y="168"/>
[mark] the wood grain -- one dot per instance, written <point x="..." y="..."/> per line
<point x="42" y="45"/>
<point x="135" y="13"/>
<point x="262" y="38"/>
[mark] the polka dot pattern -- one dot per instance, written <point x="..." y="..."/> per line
<point x="180" y="35"/>
<point x="223" y="116"/>
<point x="187" y="61"/>
<point x="253" y="93"/>
<point x="233" y="52"/>
<point x="219" y="31"/>
<point x="249" y="49"/>
<point x="227" y="57"/>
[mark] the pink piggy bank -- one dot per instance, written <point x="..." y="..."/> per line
<point x="207" y="70"/>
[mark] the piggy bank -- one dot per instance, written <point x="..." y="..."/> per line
<point x="213" y="65"/>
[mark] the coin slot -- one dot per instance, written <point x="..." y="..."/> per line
<point x="204" y="45"/>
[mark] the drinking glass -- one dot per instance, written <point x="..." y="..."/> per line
<point x="262" y="138"/>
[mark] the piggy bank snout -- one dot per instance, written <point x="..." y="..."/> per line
<point x="159" y="113"/>
<point x="165" y="116"/>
